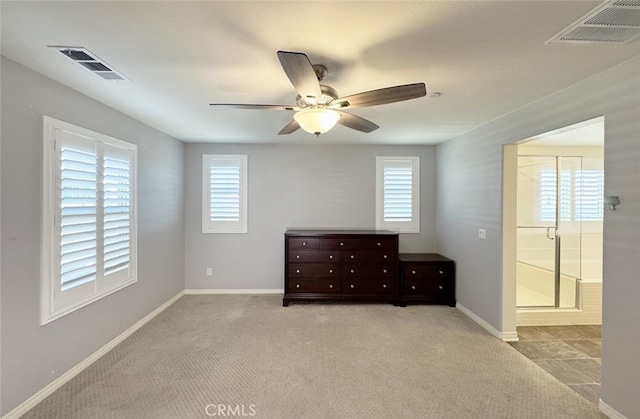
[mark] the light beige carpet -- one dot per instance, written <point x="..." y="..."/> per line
<point x="231" y="356"/>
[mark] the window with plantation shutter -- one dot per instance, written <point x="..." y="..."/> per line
<point x="397" y="194"/>
<point x="89" y="229"/>
<point x="224" y="193"/>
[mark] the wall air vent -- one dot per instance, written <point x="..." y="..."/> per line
<point x="615" y="21"/>
<point x="91" y="62"/>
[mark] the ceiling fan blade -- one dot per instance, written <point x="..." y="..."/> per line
<point x="258" y="107"/>
<point x="355" y="122"/>
<point x="381" y="96"/>
<point x="301" y="74"/>
<point x="289" y="128"/>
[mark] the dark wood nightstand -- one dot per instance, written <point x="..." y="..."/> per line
<point x="427" y="278"/>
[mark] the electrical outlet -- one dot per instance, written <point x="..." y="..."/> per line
<point x="482" y="234"/>
<point x="209" y="271"/>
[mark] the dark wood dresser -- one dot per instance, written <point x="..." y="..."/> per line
<point x="355" y="265"/>
<point x="427" y="278"/>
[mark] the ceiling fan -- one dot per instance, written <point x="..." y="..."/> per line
<point x="318" y="107"/>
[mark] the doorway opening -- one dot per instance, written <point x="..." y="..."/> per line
<point x="556" y="225"/>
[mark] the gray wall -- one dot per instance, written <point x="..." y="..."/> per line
<point x="470" y="197"/>
<point x="321" y="186"/>
<point x="34" y="355"/>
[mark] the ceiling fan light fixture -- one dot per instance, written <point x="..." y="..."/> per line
<point x="316" y="120"/>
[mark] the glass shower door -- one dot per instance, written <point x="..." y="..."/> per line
<point x="548" y="233"/>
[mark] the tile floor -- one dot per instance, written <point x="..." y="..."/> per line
<point x="572" y="354"/>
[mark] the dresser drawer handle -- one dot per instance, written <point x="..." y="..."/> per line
<point x="330" y="256"/>
<point x="297" y="271"/>
<point x="384" y="271"/>
<point x="413" y="272"/>
<point x="352" y="257"/>
<point x="353" y="271"/>
<point x="379" y="244"/>
<point x="384" y="285"/>
<point x="297" y="285"/>
<point x="441" y="287"/>
<point x="341" y="244"/>
<point x="297" y="256"/>
<point x="413" y="287"/>
<point x="304" y="243"/>
<point x="384" y="256"/>
<point x="441" y="273"/>
<point x="330" y="271"/>
<point x="352" y="286"/>
<point x="330" y="285"/>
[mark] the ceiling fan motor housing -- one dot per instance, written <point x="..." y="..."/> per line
<point x="328" y="95"/>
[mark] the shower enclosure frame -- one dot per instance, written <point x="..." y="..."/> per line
<point x="557" y="234"/>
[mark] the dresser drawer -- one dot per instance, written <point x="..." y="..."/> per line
<point x="426" y="271"/>
<point x="369" y="271"/>
<point x="314" y="270"/>
<point x="304" y="243"/>
<point x="313" y="285"/>
<point x="368" y="256"/>
<point x="340" y="244"/>
<point x="389" y="244"/>
<point x="368" y="286"/>
<point x="304" y="256"/>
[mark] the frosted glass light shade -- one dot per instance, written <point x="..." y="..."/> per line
<point x="316" y="120"/>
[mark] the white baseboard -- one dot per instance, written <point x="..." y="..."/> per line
<point x="233" y="291"/>
<point x="504" y="336"/>
<point x="610" y="411"/>
<point x="28" y="404"/>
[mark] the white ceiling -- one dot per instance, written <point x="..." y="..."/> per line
<point x="487" y="58"/>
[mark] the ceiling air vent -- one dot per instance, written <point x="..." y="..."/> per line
<point x="91" y="62"/>
<point x="616" y="21"/>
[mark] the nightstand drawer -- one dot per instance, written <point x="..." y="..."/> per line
<point x="424" y="271"/>
<point x="422" y="287"/>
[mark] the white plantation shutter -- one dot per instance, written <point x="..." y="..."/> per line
<point x="548" y="188"/>
<point x="224" y="181"/>
<point x="89" y="217"/>
<point x="78" y="211"/>
<point x="224" y="184"/>
<point x="117" y="176"/>
<point x="589" y="195"/>
<point x="397" y="193"/>
<point x="581" y="195"/>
